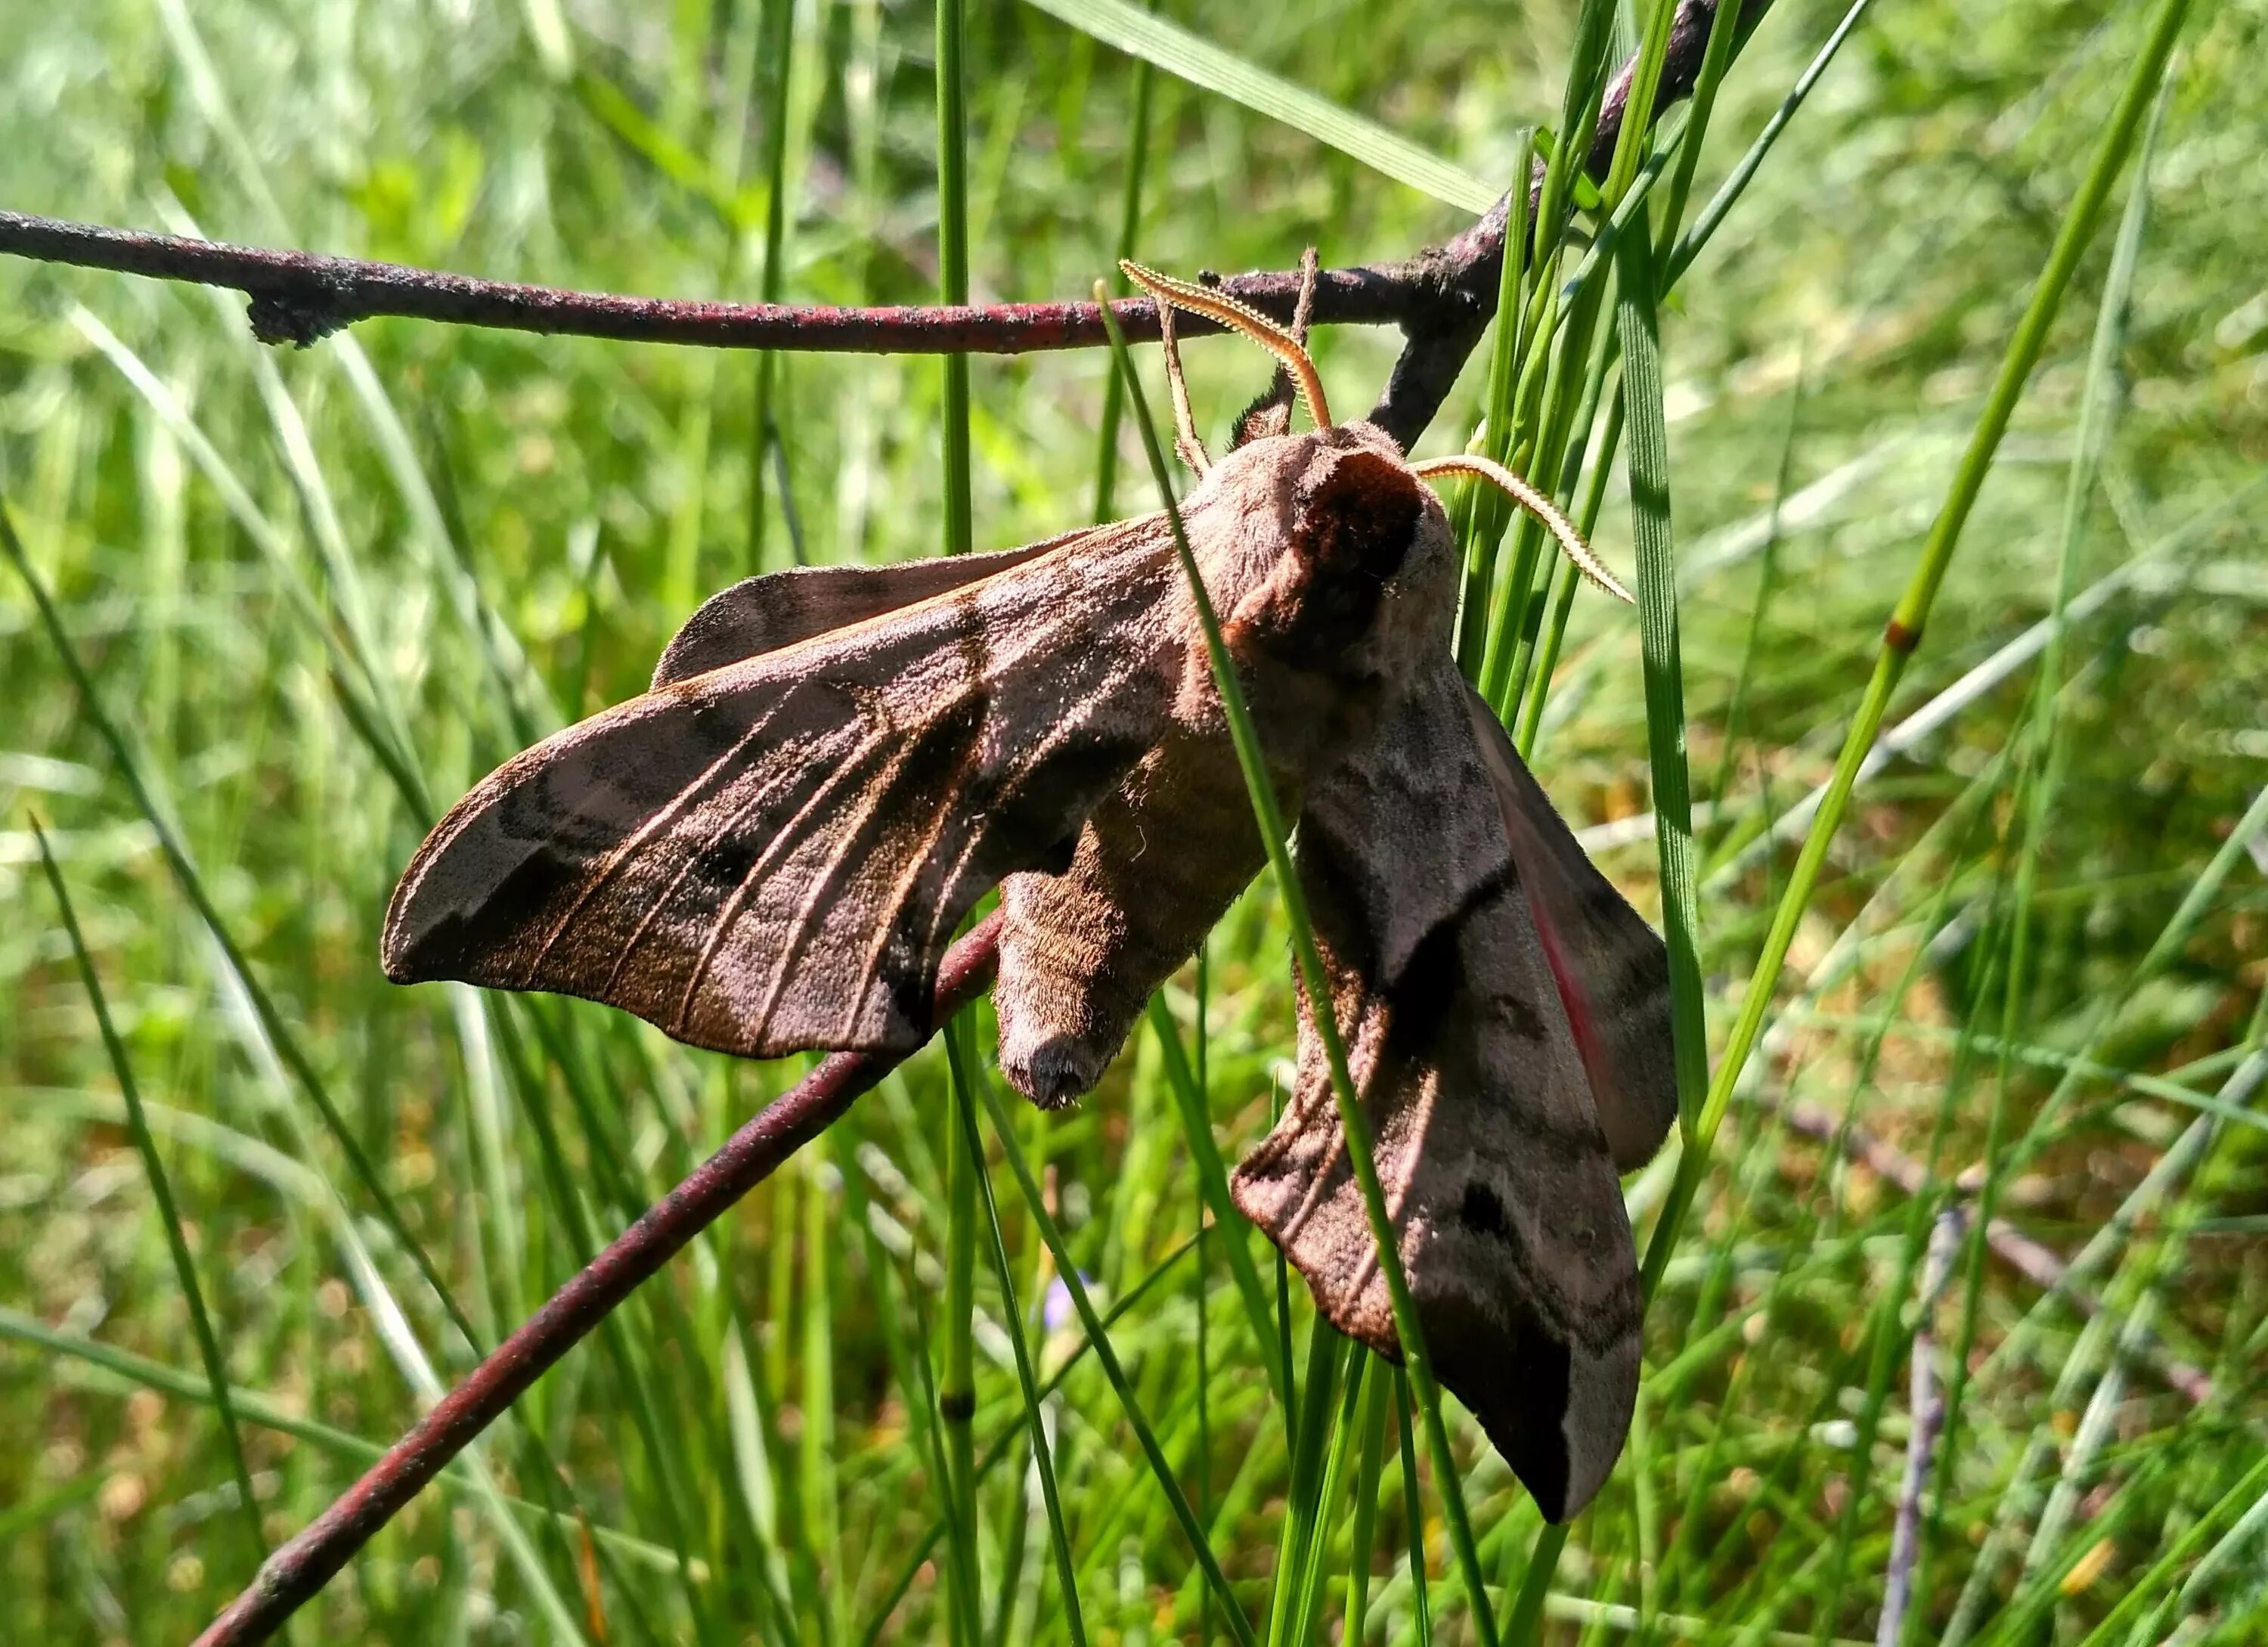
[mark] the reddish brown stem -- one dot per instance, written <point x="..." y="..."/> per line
<point x="299" y="1569"/>
<point x="297" y="297"/>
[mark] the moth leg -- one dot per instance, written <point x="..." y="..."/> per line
<point x="1271" y="413"/>
<point x="1187" y="446"/>
<point x="1304" y="315"/>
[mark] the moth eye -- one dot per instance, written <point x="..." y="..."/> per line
<point x="1482" y="1213"/>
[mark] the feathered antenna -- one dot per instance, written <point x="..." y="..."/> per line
<point x="1537" y="504"/>
<point x="1218" y="305"/>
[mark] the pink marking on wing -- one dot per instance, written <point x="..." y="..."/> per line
<point x="1587" y="1042"/>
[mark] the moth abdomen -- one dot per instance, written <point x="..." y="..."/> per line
<point x="1081" y="951"/>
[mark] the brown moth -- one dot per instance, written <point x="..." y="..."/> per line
<point x="772" y="849"/>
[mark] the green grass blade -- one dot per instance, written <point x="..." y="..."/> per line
<point x="1579" y="354"/>
<point x="1744" y="171"/>
<point x="1648" y="441"/>
<point x="1212" y="1185"/>
<point x="956" y="1391"/>
<point x="1188" y="56"/>
<point x="1099" y="1337"/>
<point x="964" y="1078"/>
<point x="1304" y="1506"/>
<point x="137" y="1127"/>
<point x="1413" y="1515"/>
<point x="1536" y="690"/>
<point x="1363" y="1540"/>
<point x="1716" y="57"/>
<point x="1646" y="83"/>
<point x="778" y="31"/>
<point x="2248" y="1528"/>
<point x="1129" y="227"/>
<point x="1588" y="64"/>
<point x="952" y="260"/>
<point x="1308" y="1612"/>
<point x="1483" y="521"/>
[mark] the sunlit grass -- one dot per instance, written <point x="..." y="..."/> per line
<point x="318" y="592"/>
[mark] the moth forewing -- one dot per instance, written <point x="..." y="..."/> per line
<point x="777" y="609"/>
<point x="771" y="854"/>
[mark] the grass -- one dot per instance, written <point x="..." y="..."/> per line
<point x="316" y="593"/>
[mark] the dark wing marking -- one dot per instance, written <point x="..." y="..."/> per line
<point x="1506" y="1205"/>
<point x="777" y="609"/>
<point x="773" y="855"/>
<point x="1611" y="968"/>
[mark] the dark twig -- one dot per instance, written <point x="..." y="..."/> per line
<point x="297" y="297"/>
<point x="302" y="1567"/>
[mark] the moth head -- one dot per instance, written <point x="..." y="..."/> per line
<point x="1360" y="574"/>
<point x="1355" y="503"/>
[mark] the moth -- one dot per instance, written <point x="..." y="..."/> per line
<point x="771" y="850"/>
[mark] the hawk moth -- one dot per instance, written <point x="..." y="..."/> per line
<point x="771" y="850"/>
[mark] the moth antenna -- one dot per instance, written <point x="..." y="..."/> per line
<point x="1270" y="413"/>
<point x="1187" y="445"/>
<point x="1237" y="317"/>
<point x="1537" y="504"/>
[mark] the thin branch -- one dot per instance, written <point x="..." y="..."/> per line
<point x="299" y="1569"/>
<point x="298" y="297"/>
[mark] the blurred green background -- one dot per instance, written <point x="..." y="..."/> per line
<point x="441" y="542"/>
